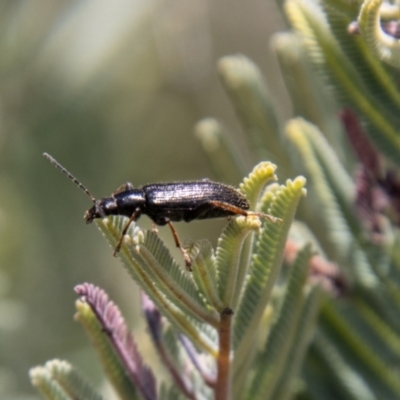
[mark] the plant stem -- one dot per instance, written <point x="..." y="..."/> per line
<point x="223" y="385"/>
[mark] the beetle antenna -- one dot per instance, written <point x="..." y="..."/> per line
<point x="70" y="176"/>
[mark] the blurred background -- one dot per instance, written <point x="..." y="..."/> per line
<point x="113" y="91"/>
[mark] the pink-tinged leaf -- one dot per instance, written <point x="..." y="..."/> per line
<point x="122" y="340"/>
<point x="377" y="189"/>
<point x="390" y="185"/>
<point x="363" y="148"/>
<point x="209" y="377"/>
<point x="153" y="318"/>
<point x="321" y="271"/>
<point x="370" y="202"/>
<point x="392" y="28"/>
<point x="154" y="322"/>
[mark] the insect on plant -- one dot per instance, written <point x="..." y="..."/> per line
<point x="165" y="203"/>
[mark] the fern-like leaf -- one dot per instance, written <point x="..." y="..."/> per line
<point x="168" y="295"/>
<point x="274" y="357"/>
<point x="342" y="75"/>
<point x="229" y="254"/>
<point x="386" y="47"/>
<point x="205" y="272"/>
<point x="265" y="265"/>
<point x="43" y="380"/>
<point x="303" y="335"/>
<point x="360" y="353"/>
<point x="117" y="349"/>
<point x="335" y="202"/>
<point x="246" y="87"/>
<point x="225" y="155"/>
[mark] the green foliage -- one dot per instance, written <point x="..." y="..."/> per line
<point x="250" y="321"/>
<point x="351" y="72"/>
<point x="274" y="358"/>
<point x="194" y="302"/>
<point x="351" y="355"/>
<point x="59" y="380"/>
<point x="113" y="366"/>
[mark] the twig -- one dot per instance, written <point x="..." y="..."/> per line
<point x="222" y="388"/>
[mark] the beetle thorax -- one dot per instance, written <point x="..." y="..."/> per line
<point x="130" y="200"/>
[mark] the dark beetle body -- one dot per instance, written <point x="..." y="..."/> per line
<point x="177" y="201"/>
<point x="168" y="202"/>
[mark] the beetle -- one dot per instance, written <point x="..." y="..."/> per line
<point x="165" y="203"/>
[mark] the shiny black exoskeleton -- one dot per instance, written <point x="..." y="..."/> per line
<point x="166" y="202"/>
<point x="177" y="201"/>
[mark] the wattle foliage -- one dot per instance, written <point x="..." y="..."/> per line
<point x="252" y="320"/>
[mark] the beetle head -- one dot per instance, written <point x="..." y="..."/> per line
<point x="91" y="214"/>
<point x="101" y="209"/>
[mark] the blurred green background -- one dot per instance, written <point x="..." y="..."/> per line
<point x="113" y="91"/>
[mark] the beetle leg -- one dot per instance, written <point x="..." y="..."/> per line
<point x="188" y="261"/>
<point x="228" y="207"/>
<point x="231" y="208"/>
<point x="269" y="217"/>
<point x="205" y="207"/>
<point x="239" y="211"/>
<point x="132" y="218"/>
<point x="123" y="188"/>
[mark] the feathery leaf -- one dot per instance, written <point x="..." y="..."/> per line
<point x="148" y="269"/>
<point x="116" y="346"/>
<point x="42" y="379"/>
<point x="265" y="265"/>
<point x="274" y="357"/>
